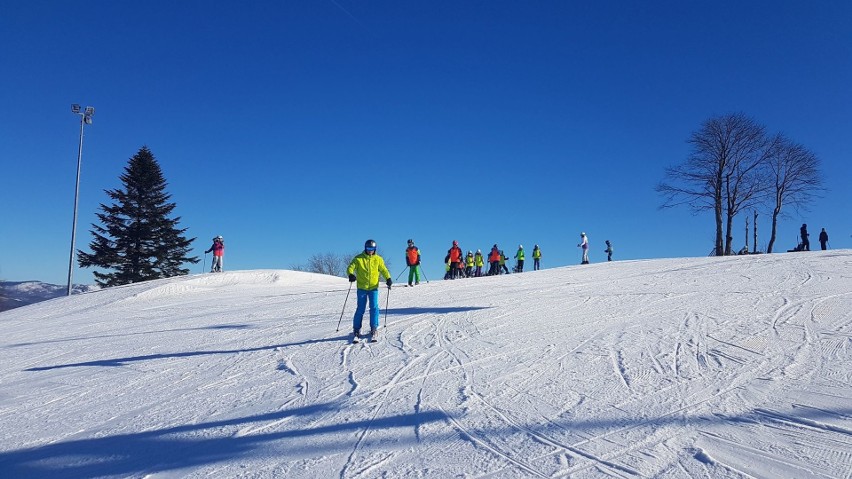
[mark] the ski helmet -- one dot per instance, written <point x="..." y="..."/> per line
<point x="583" y="233"/>
<point x="411" y="241"/>
<point x="369" y="245"/>
<point x="455" y="243"/>
<point x="479" y="251"/>
<point x="520" y="246"/>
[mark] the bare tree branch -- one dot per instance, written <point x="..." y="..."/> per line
<point x="796" y="180"/>
<point x="722" y="172"/>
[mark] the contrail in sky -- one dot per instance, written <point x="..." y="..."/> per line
<point x="350" y="15"/>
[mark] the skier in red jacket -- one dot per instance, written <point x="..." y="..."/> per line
<point x="218" y="250"/>
<point x="455" y="254"/>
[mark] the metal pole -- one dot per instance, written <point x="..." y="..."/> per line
<point x="400" y="274"/>
<point x="76" y="201"/>
<point x="344" y="307"/>
<point x="387" y="302"/>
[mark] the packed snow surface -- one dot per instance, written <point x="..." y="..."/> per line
<point x="700" y="367"/>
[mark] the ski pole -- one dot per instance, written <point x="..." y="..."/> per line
<point x="204" y="264"/>
<point x="400" y="274"/>
<point x="344" y="306"/>
<point x="387" y="301"/>
<point x="423" y="272"/>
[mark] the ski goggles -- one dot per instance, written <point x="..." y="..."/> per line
<point x="370" y="250"/>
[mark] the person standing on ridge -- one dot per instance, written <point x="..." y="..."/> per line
<point x="412" y="259"/>
<point x="479" y="262"/>
<point x="455" y="254"/>
<point x="502" y="261"/>
<point x="494" y="259"/>
<point x="536" y="258"/>
<point x="366" y="268"/>
<point x="218" y="249"/>
<point x="806" y="244"/>
<point x="608" y="251"/>
<point x="468" y="263"/>
<point x="519" y="257"/>
<point x="584" y="243"/>
<point x="823" y="239"/>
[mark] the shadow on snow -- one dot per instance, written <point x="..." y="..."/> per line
<point x="149" y="357"/>
<point x="80" y="338"/>
<point x="434" y="310"/>
<point x="201" y="444"/>
<point x="181" y="446"/>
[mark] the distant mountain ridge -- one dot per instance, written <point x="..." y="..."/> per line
<point x="14" y="294"/>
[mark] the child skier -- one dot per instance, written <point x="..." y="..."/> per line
<point x="536" y="258"/>
<point x="503" y="258"/>
<point x="519" y="256"/>
<point x="479" y="262"/>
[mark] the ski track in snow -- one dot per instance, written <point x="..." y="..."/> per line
<point x="701" y="367"/>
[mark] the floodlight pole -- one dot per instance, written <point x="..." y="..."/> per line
<point x="85" y="117"/>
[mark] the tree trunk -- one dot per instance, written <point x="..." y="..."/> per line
<point x="775" y="214"/>
<point x="719" y="246"/>
<point x="729" y="225"/>
<point x="755" y="231"/>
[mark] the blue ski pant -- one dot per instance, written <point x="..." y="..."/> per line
<point x="363" y="296"/>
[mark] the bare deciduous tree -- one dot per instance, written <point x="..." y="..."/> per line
<point x="721" y="173"/>
<point x="329" y="263"/>
<point x="325" y="263"/>
<point x="795" y="178"/>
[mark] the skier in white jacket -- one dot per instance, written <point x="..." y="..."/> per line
<point x="585" y="245"/>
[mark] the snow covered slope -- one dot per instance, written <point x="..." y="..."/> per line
<point x="707" y="367"/>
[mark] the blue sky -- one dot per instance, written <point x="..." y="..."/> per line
<point x="303" y="127"/>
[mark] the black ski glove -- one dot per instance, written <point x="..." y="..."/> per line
<point x="352" y="278"/>
<point x="389" y="283"/>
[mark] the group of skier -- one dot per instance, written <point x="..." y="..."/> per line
<point x="368" y="267"/>
<point x="471" y="265"/>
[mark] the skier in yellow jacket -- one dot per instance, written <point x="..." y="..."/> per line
<point x="366" y="268"/>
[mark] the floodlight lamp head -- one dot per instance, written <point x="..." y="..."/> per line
<point x="75" y="108"/>
<point x="90" y="110"/>
<point x="87" y="119"/>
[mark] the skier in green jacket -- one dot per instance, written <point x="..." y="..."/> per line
<point x="519" y="257"/>
<point x="536" y="258"/>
